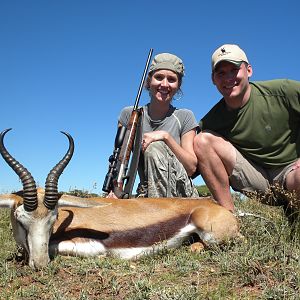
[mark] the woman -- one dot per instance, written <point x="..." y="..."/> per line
<point x="168" y="158"/>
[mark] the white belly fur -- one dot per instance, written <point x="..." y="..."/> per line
<point x="92" y="247"/>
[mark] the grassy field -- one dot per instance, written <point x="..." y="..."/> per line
<point x="264" y="265"/>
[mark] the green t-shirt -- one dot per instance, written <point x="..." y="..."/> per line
<point x="266" y="129"/>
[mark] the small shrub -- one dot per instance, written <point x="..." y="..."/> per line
<point x="203" y="190"/>
<point x="81" y="193"/>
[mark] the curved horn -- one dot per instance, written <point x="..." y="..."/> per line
<point x="51" y="192"/>
<point x="29" y="186"/>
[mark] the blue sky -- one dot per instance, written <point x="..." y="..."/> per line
<point x="72" y="66"/>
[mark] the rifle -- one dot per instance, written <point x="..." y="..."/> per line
<point x="119" y="178"/>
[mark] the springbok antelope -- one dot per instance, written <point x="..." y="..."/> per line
<point x="46" y="223"/>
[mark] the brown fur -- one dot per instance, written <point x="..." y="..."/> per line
<point x="128" y="220"/>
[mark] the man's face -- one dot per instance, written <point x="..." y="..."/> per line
<point x="231" y="80"/>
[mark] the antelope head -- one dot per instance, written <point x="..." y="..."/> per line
<point x="34" y="211"/>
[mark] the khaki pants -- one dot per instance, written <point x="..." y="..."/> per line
<point x="248" y="177"/>
<point x="162" y="175"/>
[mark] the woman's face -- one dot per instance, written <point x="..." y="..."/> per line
<point x="163" y="85"/>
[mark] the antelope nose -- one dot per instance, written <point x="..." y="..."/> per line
<point x="39" y="263"/>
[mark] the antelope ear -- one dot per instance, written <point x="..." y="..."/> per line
<point x="73" y="201"/>
<point x="9" y="200"/>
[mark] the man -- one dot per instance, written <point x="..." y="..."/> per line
<point x="250" y="139"/>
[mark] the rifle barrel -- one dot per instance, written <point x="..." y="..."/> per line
<point x="137" y="99"/>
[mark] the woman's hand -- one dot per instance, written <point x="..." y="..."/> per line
<point x="184" y="152"/>
<point x="111" y="195"/>
<point x="153" y="136"/>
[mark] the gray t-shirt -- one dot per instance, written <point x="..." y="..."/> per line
<point x="177" y="121"/>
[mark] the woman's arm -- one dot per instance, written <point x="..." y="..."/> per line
<point x="184" y="152"/>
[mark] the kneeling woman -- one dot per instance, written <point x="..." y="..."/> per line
<point x="168" y="159"/>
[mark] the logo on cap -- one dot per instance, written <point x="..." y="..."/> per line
<point x="223" y="52"/>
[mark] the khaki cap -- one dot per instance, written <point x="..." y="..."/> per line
<point x="167" y="61"/>
<point x="228" y="52"/>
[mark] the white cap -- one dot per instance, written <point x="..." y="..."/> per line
<point x="228" y="52"/>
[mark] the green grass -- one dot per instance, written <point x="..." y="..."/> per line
<point x="263" y="265"/>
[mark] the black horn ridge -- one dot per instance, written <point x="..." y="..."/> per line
<point x="51" y="191"/>
<point x="29" y="185"/>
